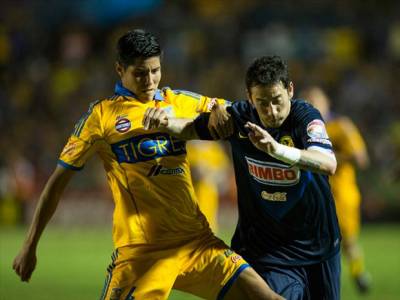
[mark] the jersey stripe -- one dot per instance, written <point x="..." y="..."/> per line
<point x="187" y="93"/>
<point x="82" y="120"/>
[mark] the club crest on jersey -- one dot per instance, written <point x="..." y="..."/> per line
<point x="122" y="125"/>
<point x="270" y="173"/>
<point x="287" y="141"/>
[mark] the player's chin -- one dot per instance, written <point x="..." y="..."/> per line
<point x="272" y="123"/>
<point x="146" y="96"/>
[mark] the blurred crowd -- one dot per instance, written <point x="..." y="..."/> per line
<point x="58" y="56"/>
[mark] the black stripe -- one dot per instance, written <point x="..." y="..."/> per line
<point x="129" y="296"/>
<point x="83" y="119"/>
<point x="110" y="268"/>
<point x="153" y="168"/>
<point x="157" y="171"/>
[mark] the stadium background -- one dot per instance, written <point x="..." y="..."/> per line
<point x="57" y="56"/>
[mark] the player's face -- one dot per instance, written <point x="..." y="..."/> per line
<point x="142" y="77"/>
<point x="272" y="102"/>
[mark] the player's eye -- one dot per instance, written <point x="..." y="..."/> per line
<point x="140" y="74"/>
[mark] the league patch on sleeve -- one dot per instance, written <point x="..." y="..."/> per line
<point x="69" y="149"/>
<point x="317" y="132"/>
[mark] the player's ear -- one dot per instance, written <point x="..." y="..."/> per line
<point x="119" y="68"/>
<point x="290" y="89"/>
<point x="248" y="93"/>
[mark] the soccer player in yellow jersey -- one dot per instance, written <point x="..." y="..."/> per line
<point x="350" y="152"/>
<point x="209" y="165"/>
<point x="162" y="240"/>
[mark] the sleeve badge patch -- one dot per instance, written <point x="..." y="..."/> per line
<point x="316" y="130"/>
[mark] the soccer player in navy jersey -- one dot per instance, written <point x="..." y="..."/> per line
<point x="287" y="227"/>
<point x="162" y="240"/>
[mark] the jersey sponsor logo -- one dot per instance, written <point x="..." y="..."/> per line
<point x="123" y="125"/>
<point x="160" y="170"/>
<point x="270" y="173"/>
<point x="287" y="141"/>
<point x="147" y="147"/>
<point x="277" y="196"/>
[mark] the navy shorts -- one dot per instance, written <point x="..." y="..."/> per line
<point x="314" y="282"/>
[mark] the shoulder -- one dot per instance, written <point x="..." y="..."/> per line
<point x="105" y="104"/>
<point x="169" y="93"/>
<point x="302" y="106"/>
<point x="301" y="110"/>
<point x="240" y="107"/>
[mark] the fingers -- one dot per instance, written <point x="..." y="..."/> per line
<point x="153" y="118"/>
<point x="24" y="267"/>
<point x="146" y="119"/>
<point x="226" y="129"/>
<point x="221" y="128"/>
<point x="255" y="128"/>
<point x="213" y="132"/>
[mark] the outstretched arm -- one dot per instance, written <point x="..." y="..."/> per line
<point x="25" y="262"/>
<point x="219" y="126"/>
<point x="156" y="118"/>
<point x="312" y="160"/>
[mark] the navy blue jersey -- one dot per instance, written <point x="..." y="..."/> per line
<point x="286" y="215"/>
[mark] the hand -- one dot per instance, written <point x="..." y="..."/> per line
<point x="261" y="139"/>
<point x="220" y="123"/>
<point x="155" y="118"/>
<point x="24" y="264"/>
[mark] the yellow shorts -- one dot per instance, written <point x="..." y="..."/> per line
<point x="205" y="267"/>
<point x="347" y="202"/>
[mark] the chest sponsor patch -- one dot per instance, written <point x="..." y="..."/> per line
<point x="276" y="197"/>
<point x="147" y="147"/>
<point x="123" y="125"/>
<point x="270" y="173"/>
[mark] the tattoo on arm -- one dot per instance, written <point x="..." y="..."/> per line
<point x="309" y="164"/>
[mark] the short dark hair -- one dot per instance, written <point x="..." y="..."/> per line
<point x="267" y="70"/>
<point x="137" y="43"/>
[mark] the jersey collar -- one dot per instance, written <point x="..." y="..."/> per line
<point x="123" y="91"/>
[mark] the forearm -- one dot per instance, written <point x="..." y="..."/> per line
<point x="45" y="209"/>
<point x="311" y="160"/>
<point x="183" y="129"/>
<point x="318" y="162"/>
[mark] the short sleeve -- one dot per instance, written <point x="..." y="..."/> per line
<point x="188" y="104"/>
<point x="311" y="128"/>
<point x="201" y="126"/>
<point x="82" y="142"/>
